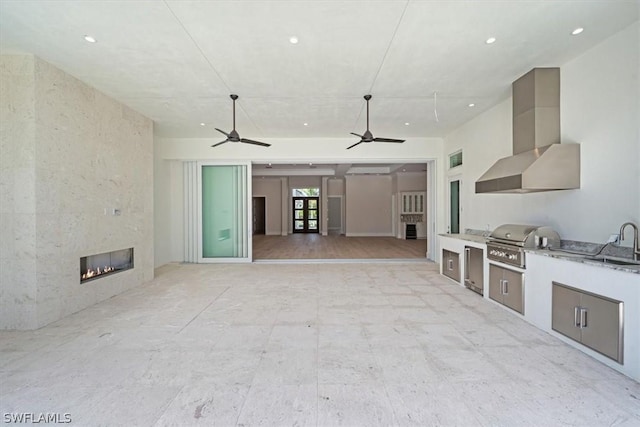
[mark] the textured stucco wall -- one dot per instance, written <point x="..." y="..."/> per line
<point x="92" y="155"/>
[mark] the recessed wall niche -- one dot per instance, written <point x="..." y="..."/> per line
<point x="94" y="267"/>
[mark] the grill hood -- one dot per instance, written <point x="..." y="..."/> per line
<point x="539" y="162"/>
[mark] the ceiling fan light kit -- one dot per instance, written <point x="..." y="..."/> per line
<point x="233" y="136"/>
<point x="368" y="136"/>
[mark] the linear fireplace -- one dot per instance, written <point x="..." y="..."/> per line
<point x="100" y="265"/>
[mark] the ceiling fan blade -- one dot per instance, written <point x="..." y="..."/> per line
<point x="220" y="143"/>
<point x="360" y="136"/>
<point x="251" y="141"/>
<point x="357" y="143"/>
<point x="222" y="132"/>
<point x="388" y="140"/>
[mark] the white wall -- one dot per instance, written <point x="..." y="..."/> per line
<point x="327" y="150"/>
<point x="335" y="187"/>
<point x="168" y="193"/>
<point x="304" y="182"/>
<point x="368" y="205"/>
<point x="90" y="155"/>
<point x="599" y="110"/>
<point x="318" y="150"/>
<point x="412" y="181"/>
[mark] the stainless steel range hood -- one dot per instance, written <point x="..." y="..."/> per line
<point x="539" y="161"/>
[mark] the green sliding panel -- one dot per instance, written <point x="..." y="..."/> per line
<point x="224" y="216"/>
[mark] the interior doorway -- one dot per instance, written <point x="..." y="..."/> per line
<point x="259" y="215"/>
<point x="305" y="215"/>
<point x="371" y="224"/>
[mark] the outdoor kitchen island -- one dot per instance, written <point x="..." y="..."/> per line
<point x="548" y="270"/>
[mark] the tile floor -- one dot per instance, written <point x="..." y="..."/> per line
<point x="374" y="344"/>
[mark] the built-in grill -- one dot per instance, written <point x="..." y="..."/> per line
<point x="507" y="243"/>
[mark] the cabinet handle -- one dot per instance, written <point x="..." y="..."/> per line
<point x="450" y="264"/>
<point x="576" y="316"/>
<point x="501" y="287"/>
<point x="583" y="317"/>
<point x="506" y="287"/>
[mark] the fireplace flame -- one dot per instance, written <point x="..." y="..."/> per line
<point x="93" y="273"/>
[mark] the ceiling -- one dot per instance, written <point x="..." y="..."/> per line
<point x="424" y="62"/>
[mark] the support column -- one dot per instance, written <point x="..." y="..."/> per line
<point x="285" y="196"/>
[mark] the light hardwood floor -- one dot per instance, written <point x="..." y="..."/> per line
<point x="315" y="246"/>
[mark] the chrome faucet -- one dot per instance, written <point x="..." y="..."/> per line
<point x="636" y="250"/>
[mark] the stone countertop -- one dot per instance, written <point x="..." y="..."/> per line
<point x="573" y="257"/>
<point x="477" y="238"/>
<point x="566" y="252"/>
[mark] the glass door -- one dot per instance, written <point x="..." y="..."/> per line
<point x="305" y="215"/>
<point x="224" y="200"/>
<point x="454" y="206"/>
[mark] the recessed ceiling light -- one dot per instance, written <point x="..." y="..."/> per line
<point x="406" y="123"/>
<point x="293" y="40"/>
<point x="490" y="40"/>
<point x="577" y="31"/>
<point x="472" y="105"/>
<point x="203" y="124"/>
<point x="305" y="124"/>
<point x="90" y="39"/>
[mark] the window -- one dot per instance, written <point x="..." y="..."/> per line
<point x="306" y="192"/>
<point x="455" y="159"/>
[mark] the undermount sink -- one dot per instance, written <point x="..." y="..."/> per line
<point x="613" y="260"/>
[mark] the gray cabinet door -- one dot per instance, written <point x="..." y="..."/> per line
<point x="590" y="319"/>
<point x="456" y="267"/>
<point x="451" y="265"/>
<point x="495" y="283"/>
<point x="601" y="325"/>
<point x="513" y="290"/>
<point x="564" y="317"/>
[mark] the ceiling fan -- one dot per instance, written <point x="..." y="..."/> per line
<point x="233" y="136"/>
<point x="368" y="136"/>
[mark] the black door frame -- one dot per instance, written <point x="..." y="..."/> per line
<point x="305" y="210"/>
